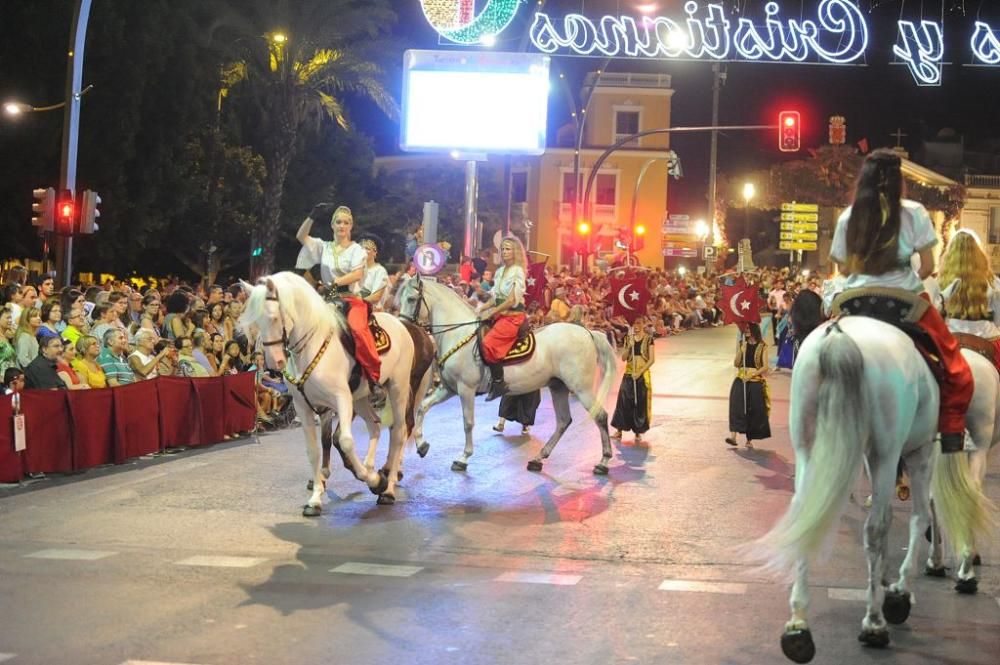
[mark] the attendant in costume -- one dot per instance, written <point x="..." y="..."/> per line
<point x="519" y="408"/>
<point x="786" y="340"/>
<point x="633" y="411"/>
<point x="971" y="291"/>
<point x="376" y="279"/>
<point x="342" y="269"/>
<point x="873" y="244"/>
<point x="506" y="310"/>
<point x="749" y="397"/>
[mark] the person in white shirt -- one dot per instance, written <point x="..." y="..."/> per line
<point x="506" y="310"/>
<point x="375" y="284"/>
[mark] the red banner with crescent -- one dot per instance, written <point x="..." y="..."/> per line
<point x="629" y="296"/>
<point x="741" y="302"/>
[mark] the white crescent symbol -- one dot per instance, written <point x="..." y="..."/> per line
<point x="732" y="302"/>
<point x="621" y="297"/>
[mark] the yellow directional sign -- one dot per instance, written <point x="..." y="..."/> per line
<point x="799" y="207"/>
<point x="799" y="226"/>
<point x="803" y="246"/>
<point x="799" y="236"/>
<point x="799" y="217"/>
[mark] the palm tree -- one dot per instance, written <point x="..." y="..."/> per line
<point x="293" y="64"/>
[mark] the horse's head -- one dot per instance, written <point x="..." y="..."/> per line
<point x="411" y="299"/>
<point x="263" y="309"/>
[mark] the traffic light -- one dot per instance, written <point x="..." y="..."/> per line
<point x="43" y="210"/>
<point x="789" y="131"/>
<point x="89" y="212"/>
<point x="638" y="238"/>
<point x="65" y="221"/>
<point x="583" y="237"/>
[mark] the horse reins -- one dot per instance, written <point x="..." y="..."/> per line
<point x="430" y="328"/>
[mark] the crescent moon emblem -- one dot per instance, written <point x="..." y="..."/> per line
<point x="446" y="18"/>
<point x="621" y="297"/>
<point x="732" y="303"/>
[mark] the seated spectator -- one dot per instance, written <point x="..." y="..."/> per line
<point x="25" y="343"/>
<point x="144" y="361"/>
<point x="64" y="368"/>
<point x="52" y="323"/>
<point x="167" y="365"/>
<point x="187" y="364"/>
<point x="40" y="374"/>
<point x="13" y="380"/>
<point x="86" y="365"/>
<point x="559" y="310"/>
<point x="113" y="360"/>
<point x="175" y="325"/>
<point x="102" y="316"/>
<point x="76" y="325"/>
<point x="215" y="355"/>
<point x="202" y="352"/>
<point x="8" y="355"/>
<point x="232" y="362"/>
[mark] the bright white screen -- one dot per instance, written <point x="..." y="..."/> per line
<point x="476" y="111"/>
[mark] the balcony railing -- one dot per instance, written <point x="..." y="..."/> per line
<point x="984" y="181"/>
<point x="603" y="214"/>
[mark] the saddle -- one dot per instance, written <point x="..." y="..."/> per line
<point x="980" y="345"/>
<point x="522" y="349"/>
<point x="898" y="308"/>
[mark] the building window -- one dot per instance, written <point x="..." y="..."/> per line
<point x="568" y="187"/>
<point x="606" y="186"/>
<point x="626" y="123"/>
<point x="994" y="230"/>
<point x="519" y="187"/>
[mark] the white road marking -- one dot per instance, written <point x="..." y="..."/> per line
<point x="221" y="561"/>
<point x="356" y="568"/>
<point x="70" y="555"/>
<point x="7" y="656"/>
<point x="731" y="588"/>
<point x="539" y="578"/>
<point x="152" y="662"/>
<point x="854" y="595"/>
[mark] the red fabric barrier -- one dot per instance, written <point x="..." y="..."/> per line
<point x="69" y="431"/>
<point x="241" y="406"/>
<point x="212" y="397"/>
<point x="180" y="414"/>
<point x="92" y="426"/>
<point x="48" y="431"/>
<point x="137" y="420"/>
<point x="10" y="462"/>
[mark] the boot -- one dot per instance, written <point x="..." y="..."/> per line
<point x="952" y="442"/>
<point x="376" y="394"/>
<point x="497" y="386"/>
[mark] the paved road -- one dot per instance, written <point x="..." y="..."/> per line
<point x="203" y="558"/>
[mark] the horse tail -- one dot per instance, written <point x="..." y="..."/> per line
<point x="842" y="431"/>
<point x="964" y="511"/>
<point x="606" y="358"/>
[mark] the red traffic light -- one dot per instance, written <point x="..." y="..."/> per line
<point x="65" y="222"/>
<point x="640" y="230"/>
<point x="583" y="228"/>
<point x="789" y="131"/>
<point x="66" y="210"/>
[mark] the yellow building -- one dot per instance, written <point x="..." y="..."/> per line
<point x="543" y="188"/>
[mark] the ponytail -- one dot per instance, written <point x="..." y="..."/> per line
<point x="873" y="227"/>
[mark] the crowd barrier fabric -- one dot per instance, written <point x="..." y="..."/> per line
<point x="76" y="430"/>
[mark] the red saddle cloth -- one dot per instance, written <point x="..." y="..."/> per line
<point x="521" y="351"/>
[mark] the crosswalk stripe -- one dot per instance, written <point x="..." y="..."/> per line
<point x="152" y="662"/>
<point x="855" y="595"/>
<point x="221" y="561"/>
<point x="539" y="578"/>
<point x="7" y="656"/>
<point x="70" y="555"/>
<point x="731" y="588"/>
<point x="383" y="570"/>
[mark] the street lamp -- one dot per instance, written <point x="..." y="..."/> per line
<point x="701" y="230"/>
<point x="749" y="191"/>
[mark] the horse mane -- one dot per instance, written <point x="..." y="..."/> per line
<point x="448" y="292"/>
<point x="298" y="297"/>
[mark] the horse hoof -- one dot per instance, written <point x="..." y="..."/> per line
<point x="896" y="607"/>
<point x="601" y="470"/>
<point x="903" y="492"/>
<point x="976" y="561"/>
<point x="423" y="448"/>
<point x="930" y="571"/>
<point x="459" y="466"/>
<point x="878" y="639"/>
<point x="797" y="645"/>
<point x="383" y="484"/>
<point x="309" y="486"/>
<point x="311" y="511"/>
<point x="967" y="587"/>
<point x="386" y="500"/>
<point x="535" y="465"/>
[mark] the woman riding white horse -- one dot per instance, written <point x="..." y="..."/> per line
<point x="861" y="389"/>
<point x="506" y="311"/>
<point x="567" y="359"/>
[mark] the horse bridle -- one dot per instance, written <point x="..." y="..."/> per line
<point x="430" y="328"/>
<point x="285" y="341"/>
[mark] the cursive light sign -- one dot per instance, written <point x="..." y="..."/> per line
<point x="838" y="34"/>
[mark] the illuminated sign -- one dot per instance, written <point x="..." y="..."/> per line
<point x="837" y="34"/>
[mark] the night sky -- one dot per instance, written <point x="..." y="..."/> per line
<point x="877" y="99"/>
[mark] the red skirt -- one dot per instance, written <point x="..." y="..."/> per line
<point x="501" y="336"/>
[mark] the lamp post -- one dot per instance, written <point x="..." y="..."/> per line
<point x="749" y="191"/>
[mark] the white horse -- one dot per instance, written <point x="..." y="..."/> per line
<point x="983" y="423"/>
<point x="291" y="316"/>
<point x="860" y="388"/>
<point x="567" y="359"/>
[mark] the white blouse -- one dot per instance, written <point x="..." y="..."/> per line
<point x="375" y="279"/>
<point x="335" y="261"/>
<point x="509" y="284"/>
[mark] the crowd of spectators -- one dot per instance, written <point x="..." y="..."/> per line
<point x="81" y="338"/>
